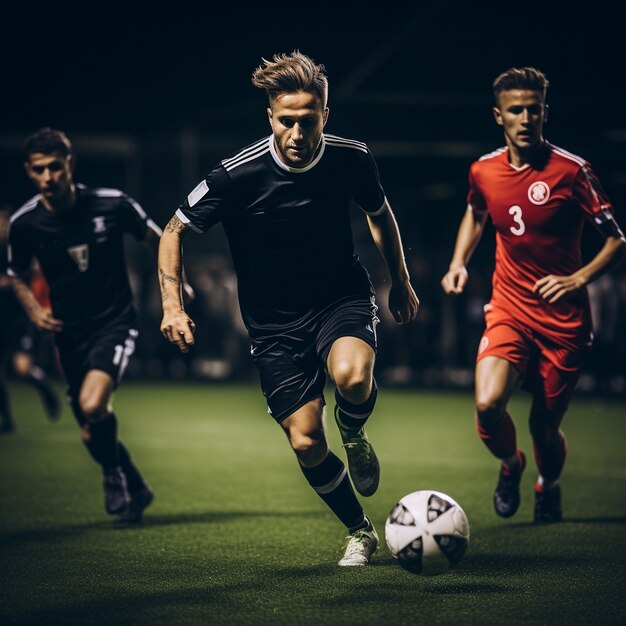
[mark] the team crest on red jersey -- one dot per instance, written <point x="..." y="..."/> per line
<point x="539" y="192"/>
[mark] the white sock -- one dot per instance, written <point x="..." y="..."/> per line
<point x="547" y="484"/>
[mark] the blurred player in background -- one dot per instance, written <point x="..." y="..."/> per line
<point x="307" y="302"/>
<point x="76" y="234"/>
<point x="18" y="338"/>
<point x="538" y="322"/>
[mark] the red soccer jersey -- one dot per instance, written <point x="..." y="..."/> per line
<point x="538" y="212"/>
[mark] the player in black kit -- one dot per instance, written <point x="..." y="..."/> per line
<point x="306" y="300"/>
<point x="76" y="234"/>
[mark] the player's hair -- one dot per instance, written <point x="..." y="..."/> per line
<point x="521" y="78"/>
<point x="48" y="141"/>
<point x="288" y="73"/>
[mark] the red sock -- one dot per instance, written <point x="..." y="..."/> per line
<point x="500" y="438"/>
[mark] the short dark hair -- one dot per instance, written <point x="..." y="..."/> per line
<point x="521" y="78"/>
<point x="48" y="141"/>
<point x="288" y="73"/>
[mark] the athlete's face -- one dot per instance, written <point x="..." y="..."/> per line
<point x="51" y="174"/>
<point x="522" y="114"/>
<point x="297" y="121"/>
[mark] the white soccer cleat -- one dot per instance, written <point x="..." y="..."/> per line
<point x="362" y="544"/>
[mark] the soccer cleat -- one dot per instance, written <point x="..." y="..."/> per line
<point x="115" y="491"/>
<point x="506" y="497"/>
<point x="362" y="544"/>
<point x="362" y="460"/>
<point x="548" y="505"/>
<point x="139" y="501"/>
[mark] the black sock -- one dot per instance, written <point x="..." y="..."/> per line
<point x="5" y="408"/>
<point x="354" y="416"/>
<point x="330" y="480"/>
<point x="38" y="379"/>
<point x="133" y="477"/>
<point x="102" y="443"/>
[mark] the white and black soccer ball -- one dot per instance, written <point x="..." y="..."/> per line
<point x="428" y="532"/>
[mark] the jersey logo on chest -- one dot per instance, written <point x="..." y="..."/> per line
<point x="80" y="256"/>
<point x="539" y="192"/>
<point x="99" y="224"/>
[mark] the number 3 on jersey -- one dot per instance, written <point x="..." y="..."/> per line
<point x="520" y="228"/>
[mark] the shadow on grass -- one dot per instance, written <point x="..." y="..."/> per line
<point x="220" y="599"/>
<point x="507" y="565"/>
<point x="59" y="532"/>
<point x="569" y="520"/>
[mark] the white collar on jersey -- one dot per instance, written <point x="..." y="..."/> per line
<point x="296" y="170"/>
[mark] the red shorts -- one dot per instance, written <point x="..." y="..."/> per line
<point x="548" y="368"/>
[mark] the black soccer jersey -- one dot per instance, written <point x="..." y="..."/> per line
<point x="81" y="253"/>
<point x="289" y="229"/>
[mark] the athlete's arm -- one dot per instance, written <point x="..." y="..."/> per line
<point x="403" y="303"/>
<point x="467" y="238"/>
<point x="176" y="326"/>
<point x="153" y="237"/>
<point x="552" y="288"/>
<point x="41" y="317"/>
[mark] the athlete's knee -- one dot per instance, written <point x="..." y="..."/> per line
<point x="92" y="407"/>
<point x="22" y="364"/>
<point x="489" y="407"/>
<point x="307" y="445"/>
<point x="354" y="382"/>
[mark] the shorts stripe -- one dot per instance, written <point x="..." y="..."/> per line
<point x="123" y="353"/>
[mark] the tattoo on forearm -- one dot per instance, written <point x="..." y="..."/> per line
<point x="175" y="226"/>
<point x="176" y="280"/>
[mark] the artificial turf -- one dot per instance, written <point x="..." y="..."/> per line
<point x="235" y="535"/>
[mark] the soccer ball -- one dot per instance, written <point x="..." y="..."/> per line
<point x="427" y="532"/>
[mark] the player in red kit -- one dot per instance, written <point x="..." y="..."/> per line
<point x="538" y="322"/>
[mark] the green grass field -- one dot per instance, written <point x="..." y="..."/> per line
<point x="235" y="535"/>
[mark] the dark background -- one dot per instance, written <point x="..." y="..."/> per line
<point x="152" y="99"/>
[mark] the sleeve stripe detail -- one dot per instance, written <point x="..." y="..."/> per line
<point x="383" y="208"/>
<point x="262" y="145"/>
<point x="185" y="220"/>
<point x="138" y="208"/>
<point x="25" y="208"/>
<point x="340" y="142"/>
<point x="253" y="156"/>
<point x="585" y="171"/>
<point x="103" y="192"/>
<point x="154" y="227"/>
<point x="568" y="155"/>
<point x="491" y="155"/>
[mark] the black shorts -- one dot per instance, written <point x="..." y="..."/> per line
<point x="107" y="348"/>
<point x="292" y="362"/>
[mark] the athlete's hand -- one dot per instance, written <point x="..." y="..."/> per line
<point x="44" y="320"/>
<point x="403" y="303"/>
<point x="554" y="288"/>
<point x="455" y="280"/>
<point x="178" y="328"/>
